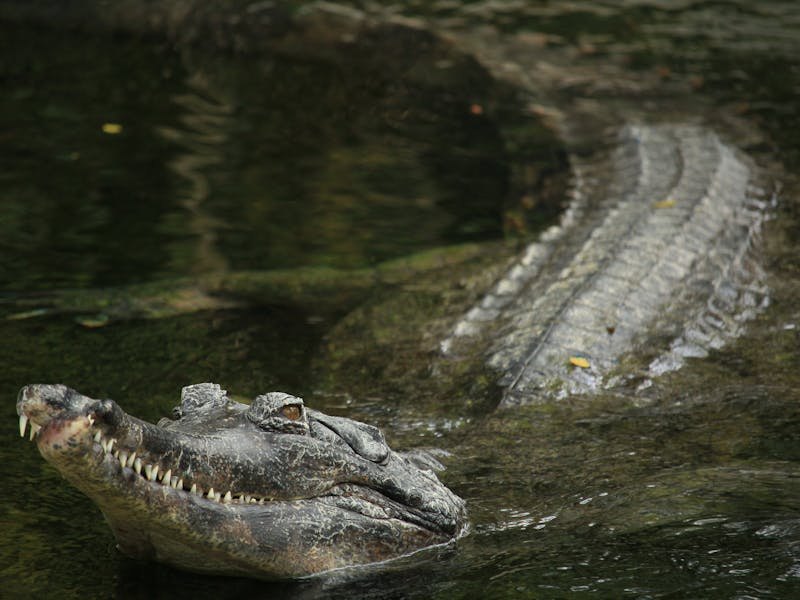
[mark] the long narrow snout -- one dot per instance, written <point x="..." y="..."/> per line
<point x="230" y="488"/>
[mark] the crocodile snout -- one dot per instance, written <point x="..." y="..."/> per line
<point x="41" y="404"/>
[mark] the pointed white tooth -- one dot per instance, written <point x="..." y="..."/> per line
<point x="104" y="445"/>
<point x="23" y="425"/>
<point x="261" y="501"/>
<point x="131" y="460"/>
<point x="34" y="429"/>
<point x="227" y="497"/>
<point x="148" y="470"/>
<point x="194" y="488"/>
<point x="167" y="478"/>
<point x="116" y="453"/>
<point x="123" y="459"/>
<point x="97" y="437"/>
<point x="210" y="494"/>
<point x="217" y="496"/>
<point x="176" y="483"/>
<point x="153" y="473"/>
<point x="252" y="501"/>
<point x="111" y="443"/>
<point x="90" y="418"/>
<point x="245" y="498"/>
<point x="137" y="466"/>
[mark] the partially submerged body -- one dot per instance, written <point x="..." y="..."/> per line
<point x="656" y="259"/>
<point x="652" y="257"/>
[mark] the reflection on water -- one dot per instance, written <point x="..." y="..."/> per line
<point x="277" y="163"/>
<point x="689" y="490"/>
<point x="205" y="122"/>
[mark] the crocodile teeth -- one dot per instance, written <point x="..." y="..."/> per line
<point x="151" y="472"/>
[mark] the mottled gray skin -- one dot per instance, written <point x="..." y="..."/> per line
<point x="270" y="490"/>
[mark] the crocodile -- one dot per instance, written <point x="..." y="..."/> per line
<point x="653" y="260"/>
<point x="273" y="489"/>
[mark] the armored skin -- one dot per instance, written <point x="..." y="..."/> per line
<point x="271" y="490"/>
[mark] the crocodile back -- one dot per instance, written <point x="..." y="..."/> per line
<point x="653" y="258"/>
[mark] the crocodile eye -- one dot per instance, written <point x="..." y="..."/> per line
<point x="280" y="413"/>
<point x="291" y="411"/>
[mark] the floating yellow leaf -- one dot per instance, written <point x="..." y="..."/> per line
<point x="112" y="128"/>
<point x="579" y="361"/>
<point x="668" y="203"/>
<point x="100" y="320"/>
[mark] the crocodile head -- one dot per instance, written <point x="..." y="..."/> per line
<point x="271" y="490"/>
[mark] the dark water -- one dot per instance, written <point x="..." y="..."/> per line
<point x="252" y="161"/>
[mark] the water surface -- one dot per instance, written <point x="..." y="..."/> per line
<point x="266" y="162"/>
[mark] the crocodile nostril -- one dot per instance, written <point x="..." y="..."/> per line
<point x="24" y="395"/>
